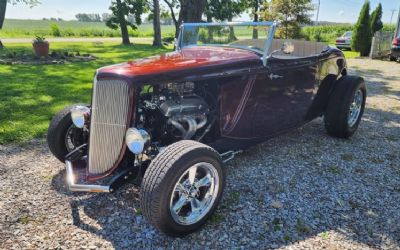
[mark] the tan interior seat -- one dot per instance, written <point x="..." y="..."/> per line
<point x="302" y="48"/>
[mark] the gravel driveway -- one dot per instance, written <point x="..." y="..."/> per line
<point x="303" y="190"/>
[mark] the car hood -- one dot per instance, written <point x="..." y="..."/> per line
<point x="183" y="60"/>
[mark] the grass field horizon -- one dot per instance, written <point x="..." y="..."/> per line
<point x="29" y="28"/>
<point x="26" y="28"/>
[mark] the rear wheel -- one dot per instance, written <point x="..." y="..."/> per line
<point x="62" y="135"/>
<point x="345" y="106"/>
<point x="182" y="187"/>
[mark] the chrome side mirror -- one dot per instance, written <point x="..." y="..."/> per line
<point x="287" y="47"/>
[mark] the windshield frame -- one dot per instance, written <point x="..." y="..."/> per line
<point x="268" y="41"/>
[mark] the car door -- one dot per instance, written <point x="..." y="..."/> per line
<point x="269" y="101"/>
<point x="282" y="95"/>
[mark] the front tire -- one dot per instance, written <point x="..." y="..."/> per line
<point x="62" y="135"/>
<point x="182" y="187"/>
<point x="345" y="107"/>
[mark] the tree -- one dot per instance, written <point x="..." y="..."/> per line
<point x="3" y="7"/>
<point x="254" y="6"/>
<point x="362" y="36"/>
<point x="223" y="10"/>
<point x="376" y="19"/>
<point x="83" y="17"/>
<point x="120" y="10"/>
<point x="189" y="11"/>
<point x="291" y="14"/>
<point x="105" y="17"/>
<point x="156" y="23"/>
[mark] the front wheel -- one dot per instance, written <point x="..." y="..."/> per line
<point x="63" y="136"/>
<point x="182" y="187"/>
<point x="345" y="106"/>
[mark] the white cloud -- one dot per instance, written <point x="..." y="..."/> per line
<point x="341" y="13"/>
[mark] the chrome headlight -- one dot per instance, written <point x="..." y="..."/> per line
<point x="136" y="140"/>
<point x="79" y="115"/>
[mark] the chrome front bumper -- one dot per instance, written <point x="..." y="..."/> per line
<point x="70" y="178"/>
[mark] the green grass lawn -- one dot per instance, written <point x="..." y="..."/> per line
<point x="31" y="95"/>
<point x="351" y="54"/>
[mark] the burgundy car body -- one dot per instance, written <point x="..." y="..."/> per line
<point x="256" y="102"/>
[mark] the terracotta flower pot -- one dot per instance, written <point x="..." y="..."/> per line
<point x="41" y="49"/>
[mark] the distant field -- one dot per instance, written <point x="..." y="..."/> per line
<point x="14" y="28"/>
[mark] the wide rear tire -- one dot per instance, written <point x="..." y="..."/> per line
<point x="172" y="200"/>
<point x="345" y="107"/>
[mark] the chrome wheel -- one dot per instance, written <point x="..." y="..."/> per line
<point x="355" y="108"/>
<point x="194" y="194"/>
<point x="73" y="138"/>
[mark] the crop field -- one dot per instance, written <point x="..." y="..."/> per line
<point x="328" y="33"/>
<point x="14" y="28"/>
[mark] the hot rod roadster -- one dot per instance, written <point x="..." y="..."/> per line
<point x="169" y="122"/>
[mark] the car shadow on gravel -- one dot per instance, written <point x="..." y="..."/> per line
<point x="300" y="186"/>
<point x="375" y="86"/>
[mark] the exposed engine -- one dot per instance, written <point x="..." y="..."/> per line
<point x="175" y="111"/>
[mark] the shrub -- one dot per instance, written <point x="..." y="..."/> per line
<point x="376" y="22"/>
<point x="362" y="33"/>
<point x="69" y="32"/>
<point x="55" y="30"/>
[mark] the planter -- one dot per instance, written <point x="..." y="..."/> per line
<point x="41" y="49"/>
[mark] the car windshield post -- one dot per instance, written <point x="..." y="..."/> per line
<point x="192" y="37"/>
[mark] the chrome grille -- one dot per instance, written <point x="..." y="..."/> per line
<point x="110" y="105"/>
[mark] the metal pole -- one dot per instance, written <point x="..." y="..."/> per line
<point x="391" y="17"/>
<point x="316" y="19"/>
<point x="398" y="25"/>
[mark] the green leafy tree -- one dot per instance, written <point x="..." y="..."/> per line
<point x="121" y="9"/>
<point x="362" y="36"/>
<point x="222" y="10"/>
<point x="255" y="13"/>
<point x="291" y="14"/>
<point x="376" y="19"/>
<point x="190" y="11"/>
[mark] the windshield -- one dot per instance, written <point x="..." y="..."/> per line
<point x="347" y="34"/>
<point x="247" y="35"/>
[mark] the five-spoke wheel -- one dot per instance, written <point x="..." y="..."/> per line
<point x="194" y="193"/>
<point x="182" y="187"/>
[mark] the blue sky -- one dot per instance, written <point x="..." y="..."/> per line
<point x="335" y="11"/>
